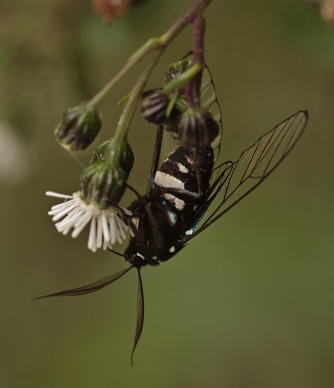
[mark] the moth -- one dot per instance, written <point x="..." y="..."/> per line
<point x="189" y="191"/>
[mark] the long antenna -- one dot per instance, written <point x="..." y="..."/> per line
<point x="95" y="286"/>
<point x="140" y="314"/>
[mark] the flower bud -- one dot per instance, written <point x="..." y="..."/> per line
<point x="154" y="106"/>
<point x="103" y="181"/>
<point x="102" y="184"/>
<point x="197" y="128"/>
<point x="175" y="70"/>
<point x="78" y="128"/>
<point x="127" y="159"/>
<point x="158" y="108"/>
<point x="103" y="150"/>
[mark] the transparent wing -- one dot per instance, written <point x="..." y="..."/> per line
<point x="209" y="101"/>
<point x="236" y="180"/>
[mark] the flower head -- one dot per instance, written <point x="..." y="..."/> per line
<point x="78" y="128"/>
<point x="197" y="128"/>
<point x="106" y="226"/>
<point x="103" y="183"/>
<point x="154" y="106"/>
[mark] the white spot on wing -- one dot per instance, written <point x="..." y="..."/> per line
<point x="177" y="202"/>
<point x="162" y="179"/>
<point x="172" y="249"/>
<point x="138" y="254"/>
<point x="182" y="168"/>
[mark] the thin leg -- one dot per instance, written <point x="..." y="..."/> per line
<point x="157" y="151"/>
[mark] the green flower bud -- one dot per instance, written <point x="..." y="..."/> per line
<point x="197" y="128"/>
<point x="103" y="181"/>
<point x="102" y="184"/>
<point x="127" y="159"/>
<point x="78" y="128"/>
<point x="103" y="150"/>
<point x="175" y="70"/>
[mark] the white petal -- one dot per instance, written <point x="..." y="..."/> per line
<point x="70" y="220"/>
<point x="61" y="214"/>
<point x="80" y="224"/>
<point x="57" y="195"/>
<point x="105" y="245"/>
<point x="127" y="211"/>
<point x="99" y="233"/>
<point x="63" y="204"/>
<point x="122" y="225"/>
<point x="121" y="229"/>
<point x="92" y="235"/>
<point x="113" y="230"/>
<point x="106" y="233"/>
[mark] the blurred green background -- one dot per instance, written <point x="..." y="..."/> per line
<point x="249" y="303"/>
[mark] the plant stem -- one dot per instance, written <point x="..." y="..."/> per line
<point x="121" y="132"/>
<point x="183" y="79"/>
<point x="192" y="90"/>
<point x="153" y="44"/>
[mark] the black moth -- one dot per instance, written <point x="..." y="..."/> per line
<point x="168" y="216"/>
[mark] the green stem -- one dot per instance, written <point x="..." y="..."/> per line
<point x="152" y="44"/>
<point x="121" y="132"/>
<point x="183" y="79"/>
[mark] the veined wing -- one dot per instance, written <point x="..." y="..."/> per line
<point x="237" y="180"/>
<point x="209" y="101"/>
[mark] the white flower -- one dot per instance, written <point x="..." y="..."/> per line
<point x="106" y="226"/>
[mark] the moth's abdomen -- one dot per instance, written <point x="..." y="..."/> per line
<point x="187" y="171"/>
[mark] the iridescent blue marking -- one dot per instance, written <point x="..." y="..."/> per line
<point x="172" y="216"/>
<point x="193" y="228"/>
<point x="151" y="182"/>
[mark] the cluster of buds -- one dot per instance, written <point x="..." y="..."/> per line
<point x="102" y="183"/>
<point x="193" y="125"/>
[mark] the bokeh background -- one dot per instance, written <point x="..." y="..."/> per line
<point x="249" y="303"/>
